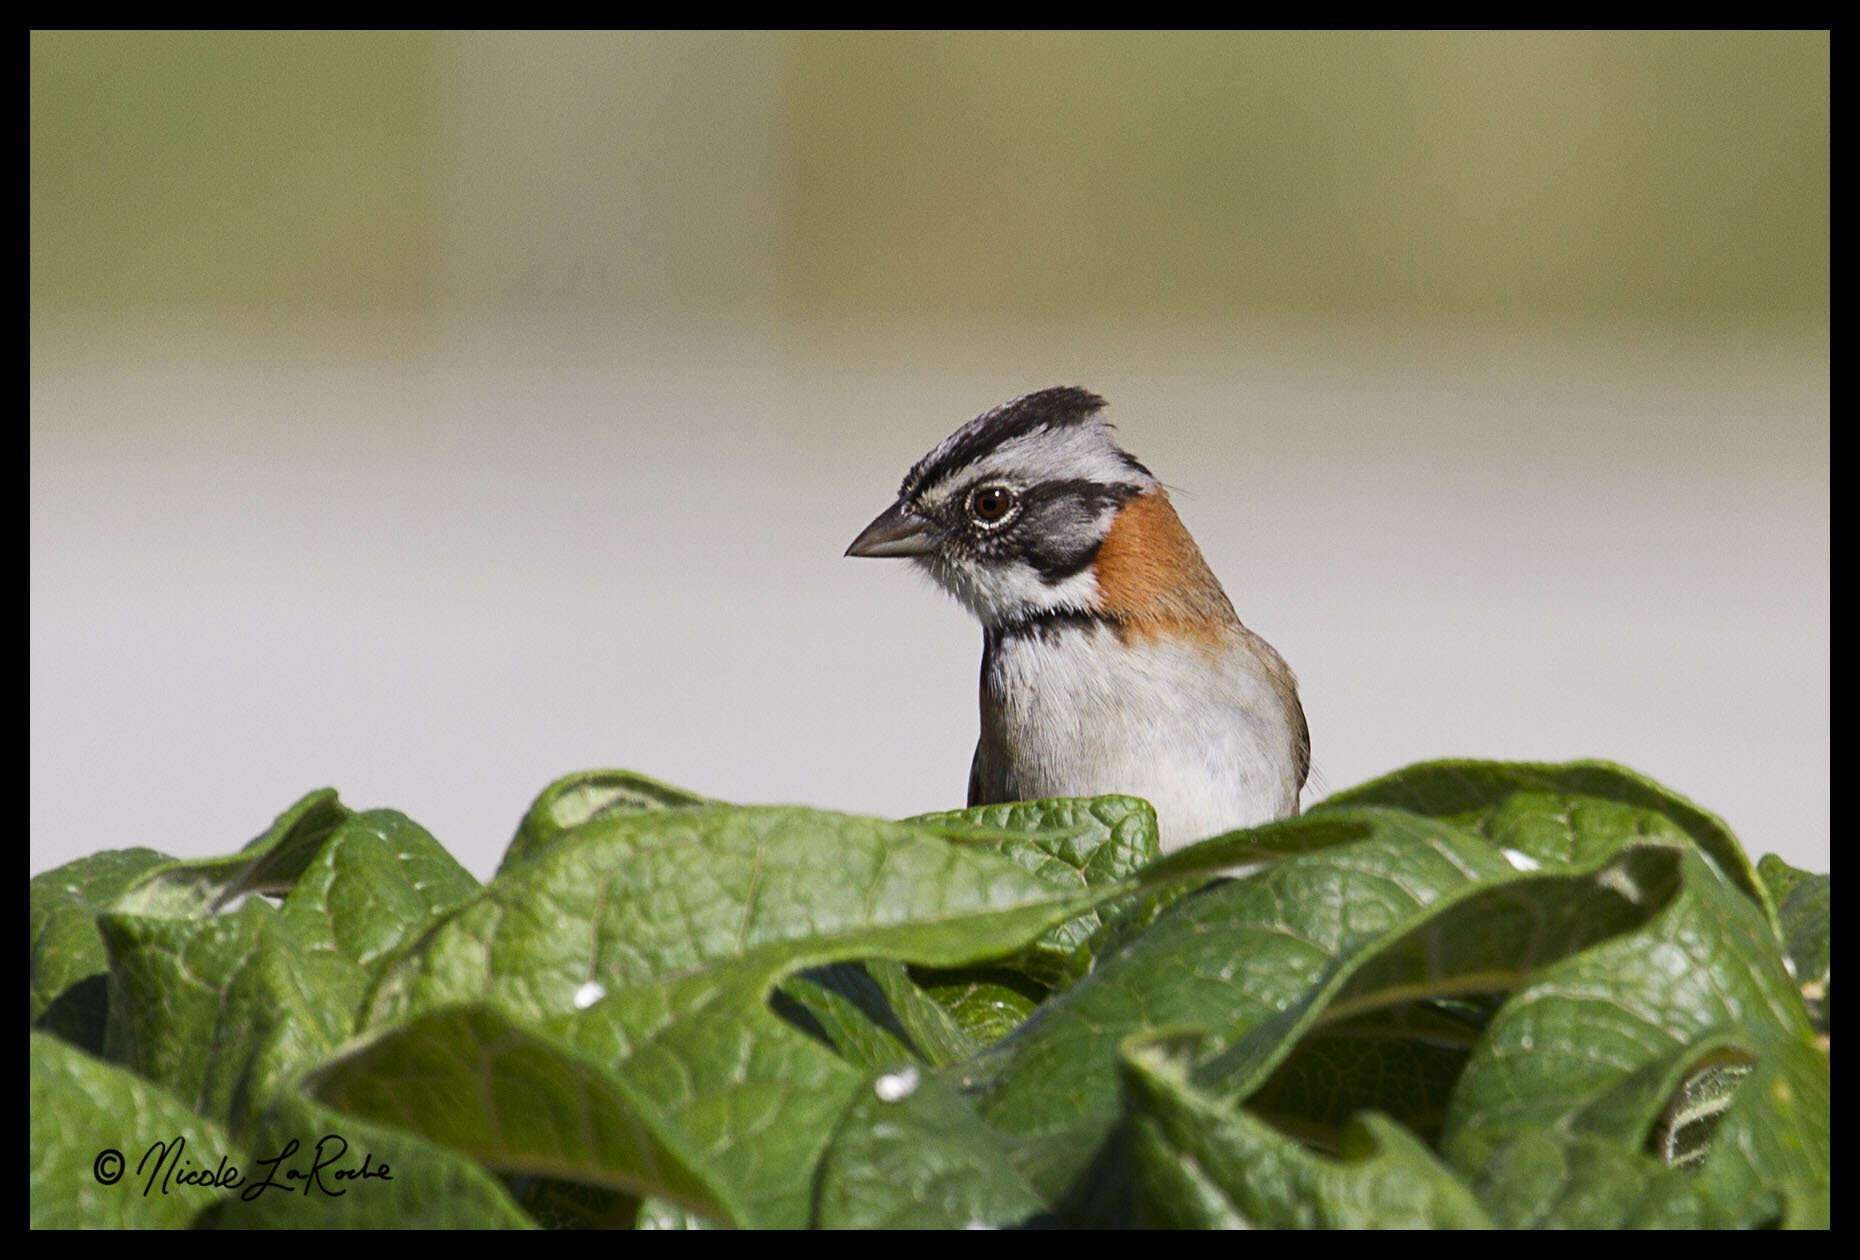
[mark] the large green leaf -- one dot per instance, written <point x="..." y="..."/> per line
<point x="1074" y="844"/>
<point x="271" y="863"/>
<point x="68" y="976"/>
<point x="1366" y="939"/>
<point x="911" y="1154"/>
<point x="874" y="1014"/>
<point x="110" y="1150"/>
<point x="1703" y="974"/>
<point x="1769" y="1158"/>
<point x="1484" y="939"/>
<point x="69" y="988"/>
<point x="103" y="1143"/>
<point x="1610" y="1163"/>
<point x="415" y="1184"/>
<point x="1201" y="1162"/>
<point x="642" y="950"/>
<point x="1226" y="960"/>
<point x="985" y="1003"/>
<point x="1555" y="812"/>
<point x="225" y="1009"/>
<point x="582" y="797"/>
<point x="473" y="1080"/>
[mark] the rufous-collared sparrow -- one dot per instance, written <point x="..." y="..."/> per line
<point x="1112" y="660"/>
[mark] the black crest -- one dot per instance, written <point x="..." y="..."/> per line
<point x="1055" y="408"/>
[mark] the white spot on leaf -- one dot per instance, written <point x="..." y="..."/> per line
<point x="894" y="1086"/>
<point x="588" y="994"/>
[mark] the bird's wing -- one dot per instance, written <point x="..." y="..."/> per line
<point x="984" y="778"/>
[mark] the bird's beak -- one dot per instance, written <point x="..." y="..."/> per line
<point x="898" y="531"/>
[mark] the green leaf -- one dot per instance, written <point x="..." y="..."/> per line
<point x="69" y="987"/>
<point x="1771" y="1150"/>
<point x="645" y="947"/>
<point x="1546" y="1178"/>
<point x="1707" y="966"/>
<point x="1631" y="1157"/>
<point x="90" y="1122"/>
<point x="1662" y="1107"/>
<point x="874" y="1014"/>
<point x="417" y="1184"/>
<point x="1074" y="844"/>
<point x="1555" y="813"/>
<point x="985" y="1003"/>
<point x="936" y="1031"/>
<point x="225" y="1010"/>
<point x="841" y="1005"/>
<point x="80" y="1107"/>
<point x="586" y="796"/>
<point x="556" y="1204"/>
<point x="169" y="984"/>
<point x="471" y="1080"/>
<point x="1241" y="853"/>
<point x="1122" y="922"/>
<point x="69" y="967"/>
<point x="1403" y="1061"/>
<point x="1467" y="994"/>
<point x="1703" y="974"/>
<point x="1805" y="907"/>
<point x="911" y="1154"/>
<point x="1482" y="939"/>
<point x="269" y="864"/>
<point x="376" y="883"/>
<point x="1200" y="1162"/>
<point x="1227" y="959"/>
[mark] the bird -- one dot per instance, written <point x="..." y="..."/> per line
<point x="1112" y="659"/>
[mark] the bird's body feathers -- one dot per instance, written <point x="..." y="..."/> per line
<point x="1112" y="659"/>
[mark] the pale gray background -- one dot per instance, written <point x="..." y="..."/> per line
<point x="430" y="416"/>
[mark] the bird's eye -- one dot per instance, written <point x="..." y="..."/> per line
<point x="991" y="504"/>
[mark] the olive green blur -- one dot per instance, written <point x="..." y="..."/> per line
<point x="1678" y="176"/>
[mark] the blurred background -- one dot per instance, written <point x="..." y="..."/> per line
<point x="430" y="415"/>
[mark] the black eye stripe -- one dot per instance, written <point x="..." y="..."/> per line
<point x="1040" y="502"/>
<point x="1056" y="564"/>
<point x="1057" y="530"/>
<point x="1092" y="496"/>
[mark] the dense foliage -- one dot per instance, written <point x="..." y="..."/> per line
<point x="1468" y="994"/>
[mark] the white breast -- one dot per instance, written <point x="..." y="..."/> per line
<point x="1208" y="742"/>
